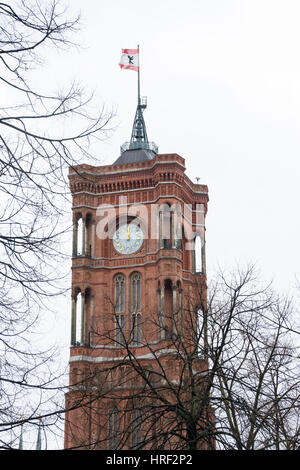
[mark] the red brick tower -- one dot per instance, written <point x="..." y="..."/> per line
<point x="134" y="279"/>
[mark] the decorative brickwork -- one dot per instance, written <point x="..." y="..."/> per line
<point x="138" y="297"/>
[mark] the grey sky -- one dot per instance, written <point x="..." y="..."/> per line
<point x="223" y="87"/>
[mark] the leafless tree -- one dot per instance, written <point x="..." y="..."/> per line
<point x="41" y="135"/>
<point x="254" y="362"/>
<point x="225" y="376"/>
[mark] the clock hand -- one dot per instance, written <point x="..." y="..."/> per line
<point x="128" y="233"/>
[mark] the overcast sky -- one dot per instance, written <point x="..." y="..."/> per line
<point x="223" y="85"/>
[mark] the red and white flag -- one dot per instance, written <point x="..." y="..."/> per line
<point x="130" y="59"/>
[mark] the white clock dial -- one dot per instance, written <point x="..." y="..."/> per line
<point x="128" y="239"/>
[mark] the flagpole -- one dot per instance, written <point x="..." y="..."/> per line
<point x="139" y="92"/>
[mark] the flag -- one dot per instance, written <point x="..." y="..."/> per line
<point x="130" y="59"/>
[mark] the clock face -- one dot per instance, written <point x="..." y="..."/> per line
<point x="128" y="239"/>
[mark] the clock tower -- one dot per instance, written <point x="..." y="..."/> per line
<point x="137" y="272"/>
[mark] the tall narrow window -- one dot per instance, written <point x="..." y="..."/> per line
<point x="167" y="226"/>
<point x="120" y="330"/>
<point x="197" y="255"/>
<point x="78" y="319"/>
<point x="79" y="236"/>
<point x="120" y="293"/>
<point x="177" y="224"/>
<point x="136" y="329"/>
<point x="113" y="425"/>
<point x="168" y="307"/>
<point x="161" y="314"/>
<point x="136" y="292"/>
<point x="136" y="428"/>
<point x="88" y="225"/>
<point x="136" y="307"/>
<point x="166" y="229"/>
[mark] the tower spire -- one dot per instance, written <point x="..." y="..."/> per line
<point x="139" y="138"/>
<point x="139" y="148"/>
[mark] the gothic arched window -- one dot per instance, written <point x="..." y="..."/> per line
<point x="113" y="425"/>
<point x="79" y="241"/>
<point x="136" y="329"/>
<point x="136" y="292"/>
<point x="78" y="316"/>
<point x="177" y="226"/>
<point x="170" y="226"/>
<point x="120" y="330"/>
<point x="165" y="226"/>
<point x="120" y="293"/>
<point x="197" y="255"/>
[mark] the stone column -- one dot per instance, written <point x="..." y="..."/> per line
<point x="174" y="309"/>
<point x="203" y="256"/>
<point x="173" y="229"/>
<point x="91" y="328"/>
<point x="162" y="312"/>
<point x="83" y="235"/>
<point x="88" y="238"/>
<point x="194" y="256"/>
<point x="73" y="321"/>
<point x="160" y="243"/>
<point x="92" y="233"/>
<point x="176" y="237"/>
<point x="75" y="237"/>
<point x="180" y="312"/>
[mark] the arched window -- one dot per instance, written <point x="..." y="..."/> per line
<point x="113" y="425"/>
<point x="136" y="329"/>
<point x="197" y="255"/>
<point x="136" y="318"/>
<point x="81" y="317"/>
<point x="120" y="330"/>
<point x="165" y="226"/>
<point x="177" y="309"/>
<point x="170" y="226"/>
<point x="120" y="293"/>
<point x="136" y="292"/>
<point x="168" y="307"/>
<point x="177" y="224"/>
<point x="88" y="241"/>
<point x="82" y="235"/>
<point x="79" y="300"/>
<point x="79" y="241"/>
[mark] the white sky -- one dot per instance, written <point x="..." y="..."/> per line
<point x="223" y="85"/>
